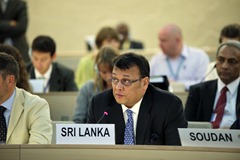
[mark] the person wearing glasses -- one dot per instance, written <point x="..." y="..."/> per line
<point x="142" y="113"/>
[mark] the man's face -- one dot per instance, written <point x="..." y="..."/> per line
<point x="228" y="64"/>
<point x="168" y="43"/>
<point x="41" y="61"/>
<point x="4" y="89"/>
<point x="129" y="95"/>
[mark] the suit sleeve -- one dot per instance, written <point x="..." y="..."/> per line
<point x="40" y="128"/>
<point x="192" y="104"/>
<point x="175" y="119"/>
<point x="69" y="82"/>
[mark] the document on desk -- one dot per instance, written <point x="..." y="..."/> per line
<point x="37" y="85"/>
<point x="210" y="137"/>
<point x="85" y="134"/>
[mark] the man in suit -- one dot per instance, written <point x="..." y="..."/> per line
<point x="56" y="76"/>
<point x="203" y="98"/>
<point x="13" y="25"/>
<point x="125" y="41"/>
<point x="156" y="114"/>
<point x="24" y="118"/>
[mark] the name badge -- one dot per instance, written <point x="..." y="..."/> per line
<point x="210" y="137"/>
<point x="85" y="134"/>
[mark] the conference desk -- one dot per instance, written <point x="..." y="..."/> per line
<point x="115" y="152"/>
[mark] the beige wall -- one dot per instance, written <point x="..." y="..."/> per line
<point x="69" y="21"/>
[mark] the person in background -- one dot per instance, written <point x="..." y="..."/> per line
<point x="23" y="75"/>
<point x="56" y="76"/>
<point x="125" y="40"/>
<point x="104" y="66"/>
<point x="24" y="118"/>
<point x="216" y="100"/>
<point x="107" y="36"/>
<point x="142" y="113"/>
<point x="178" y="61"/>
<point x="13" y="25"/>
<point x="229" y="32"/>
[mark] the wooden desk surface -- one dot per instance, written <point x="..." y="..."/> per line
<point x="119" y="152"/>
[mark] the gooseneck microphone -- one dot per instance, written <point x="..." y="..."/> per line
<point x="208" y="73"/>
<point x="105" y="113"/>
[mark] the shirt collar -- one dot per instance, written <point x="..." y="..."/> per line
<point x="232" y="87"/>
<point x="9" y="103"/>
<point x="134" y="109"/>
<point x="46" y="75"/>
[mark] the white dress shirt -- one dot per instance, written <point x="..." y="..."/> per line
<point x="8" y="105"/>
<point x="46" y="78"/>
<point x="190" y="68"/>
<point x="135" y="111"/>
<point x="229" y="115"/>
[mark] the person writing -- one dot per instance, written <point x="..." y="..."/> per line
<point x="24" y="118"/>
<point x="56" y="76"/>
<point x="142" y="114"/>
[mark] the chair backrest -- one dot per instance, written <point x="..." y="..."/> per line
<point x="61" y="104"/>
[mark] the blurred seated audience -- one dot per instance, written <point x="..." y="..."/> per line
<point x="229" y="32"/>
<point x="179" y="62"/>
<point x="216" y="101"/>
<point x="23" y="75"/>
<point x="103" y="66"/>
<point x="56" y="76"/>
<point x="126" y="42"/>
<point x="106" y="36"/>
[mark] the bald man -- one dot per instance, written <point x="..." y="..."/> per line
<point x="178" y="61"/>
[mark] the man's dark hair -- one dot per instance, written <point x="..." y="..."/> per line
<point x="231" y="31"/>
<point x="8" y="66"/>
<point x="44" y="44"/>
<point x="128" y="60"/>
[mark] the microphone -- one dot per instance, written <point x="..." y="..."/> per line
<point x="208" y="73"/>
<point x="105" y="113"/>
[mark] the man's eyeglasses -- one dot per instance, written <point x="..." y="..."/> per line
<point x="125" y="82"/>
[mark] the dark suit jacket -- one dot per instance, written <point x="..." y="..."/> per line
<point x="16" y="10"/>
<point x="62" y="78"/>
<point x="160" y="114"/>
<point x="200" y="101"/>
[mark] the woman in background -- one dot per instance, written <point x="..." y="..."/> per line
<point x="23" y="75"/>
<point x="103" y="66"/>
<point x="107" y="36"/>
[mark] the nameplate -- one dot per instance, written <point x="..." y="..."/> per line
<point x="85" y="134"/>
<point x="210" y="137"/>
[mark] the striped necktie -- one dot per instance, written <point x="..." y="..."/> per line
<point x="219" y="111"/>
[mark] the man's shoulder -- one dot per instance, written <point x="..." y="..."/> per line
<point x="203" y="85"/>
<point x="162" y="94"/>
<point x="28" y="98"/>
<point x="61" y="68"/>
